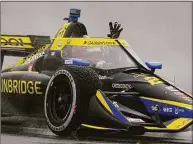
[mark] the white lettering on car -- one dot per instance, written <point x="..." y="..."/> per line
<point x="20" y="86"/>
<point x="118" y="85"/>
<point x="166" y="109"/>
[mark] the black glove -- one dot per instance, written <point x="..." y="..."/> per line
<point x="114" y="31"/>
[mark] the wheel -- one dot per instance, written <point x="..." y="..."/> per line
<point x="67" y="98"/>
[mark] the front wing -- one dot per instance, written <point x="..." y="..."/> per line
<point x="125" y="125"/>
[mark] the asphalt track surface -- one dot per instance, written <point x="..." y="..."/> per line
<point x="36" y="132"/>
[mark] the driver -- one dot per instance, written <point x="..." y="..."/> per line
<point x="85" y="53"/>
<point x="96" y="57"/>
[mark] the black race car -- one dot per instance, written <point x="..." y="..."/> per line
<point x="77" y="82"/>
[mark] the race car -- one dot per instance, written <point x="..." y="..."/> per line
<point x="77" y="82"/>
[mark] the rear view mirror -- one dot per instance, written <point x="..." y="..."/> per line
<point x="154" y="65"/>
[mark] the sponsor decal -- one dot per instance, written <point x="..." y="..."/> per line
<point x="136" y="76"/>
<point x="115" y="104"/>
<point x="155" y="108"/>
<point x="167" y="110"/>
<point x="11" y="41"/>
<point x="179" y="110"/>
<point x="185" y="122"/>
<point x="36" y="56"/>
<point x="153" y="80"/>
<point x="68" y="62"/>
<point x="20" y="86"/>
<point x="171" y="88"/>
<point x="60" y="43"/>
<point x="104" y="77"/>
<point x="139" y="75"/>
<point x="120" y="86"/>
<point x="99" y="43"/>
<point x="178" y="93"/>
<point x="134" y="120"/>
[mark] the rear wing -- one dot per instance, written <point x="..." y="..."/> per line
<point x="22" y="45"/>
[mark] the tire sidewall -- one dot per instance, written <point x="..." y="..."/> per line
<point x="74" y="100"/>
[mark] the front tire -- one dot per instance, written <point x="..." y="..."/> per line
<point x="67" y="98"/>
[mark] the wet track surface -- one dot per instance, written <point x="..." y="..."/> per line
<point x="37" y="132"/>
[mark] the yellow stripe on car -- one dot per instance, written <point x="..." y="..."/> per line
<point x="123" y="42"/>
<point x="102" y="100"/>
<point x="179" y="123"/>
<point x="23" y="42"/>
<point x="93" y="42"/>
<point x="59" y="43"/>
<point x="62" y="30"/>
<point x="94" y="127"/>
<point x="175" y="125"/>
<point x="188" y="106"/>
<point x="24" y="46"/>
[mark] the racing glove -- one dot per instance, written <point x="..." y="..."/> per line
<point x="100" y="64"/>
<point x="114" y="30"/>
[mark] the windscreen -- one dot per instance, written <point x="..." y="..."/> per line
<point x="104" y="57"/>
<point x="133" y="53"/>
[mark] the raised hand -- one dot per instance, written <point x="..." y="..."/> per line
<point x="114" y="30"/>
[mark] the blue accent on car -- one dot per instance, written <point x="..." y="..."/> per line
<point x="167" y="109"/>
<point x="115" y="111"/>
<point x="76" y="61"/>
<point x="154" y="65"/>
<point x="74" y="15"/>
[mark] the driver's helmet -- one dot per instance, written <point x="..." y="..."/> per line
<point x="86" y="54"/>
